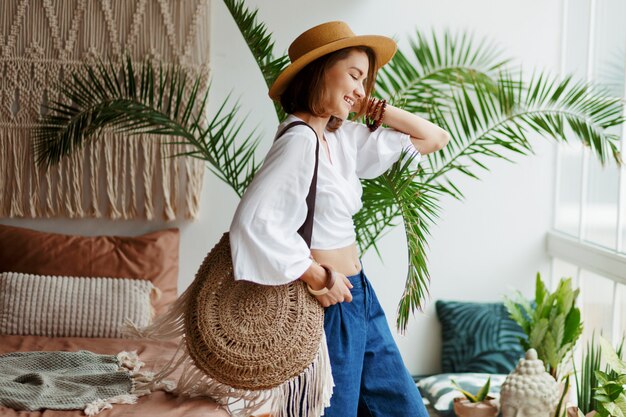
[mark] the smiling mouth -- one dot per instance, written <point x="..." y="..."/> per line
<point x="349" y="101"/>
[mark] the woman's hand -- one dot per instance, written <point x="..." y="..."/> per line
<point x="339" y="293"/>
<point x="315" y="277"/>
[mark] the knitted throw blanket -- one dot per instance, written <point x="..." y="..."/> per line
<point x="70" y="380"/>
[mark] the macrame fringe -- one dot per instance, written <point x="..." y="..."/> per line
<point x="118" y="177"/>
<point x="93" y="178"/>
<point x="311" y="390"/>
<point x="74" y="187"/>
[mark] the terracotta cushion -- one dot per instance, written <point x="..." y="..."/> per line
<point x="153" y="256"/>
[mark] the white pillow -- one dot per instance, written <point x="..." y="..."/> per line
<point x="55" y="306"/>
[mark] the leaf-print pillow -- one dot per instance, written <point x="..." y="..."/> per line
<point x="478" y="337"/>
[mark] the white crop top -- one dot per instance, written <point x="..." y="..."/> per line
<point x="265" y="245"/>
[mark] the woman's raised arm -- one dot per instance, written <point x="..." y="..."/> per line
<point x="427" y="137"/>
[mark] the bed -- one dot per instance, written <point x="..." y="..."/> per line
<point x="147" y="261"/>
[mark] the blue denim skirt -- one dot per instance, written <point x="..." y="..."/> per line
<point x="370" y="376"/>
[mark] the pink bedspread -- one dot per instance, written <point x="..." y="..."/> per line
<point x="151" y="352"/>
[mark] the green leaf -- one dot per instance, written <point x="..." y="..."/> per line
<point x="549" y="349"/>
<point x="573" y="326"/>
<point x="602" y="377"/>
<point x="621" y="404"/>
<point x="612" y="390"/>
<point x="602" y="411"/>
<point x="538" y="333"/>
<point x="471" y="397"/>
<point x="557" y="328"/>
<point x="484" y="391"/>
<point x="540" y="290"/>
<point x="613" y="409"/>
<point x="515" y="311"/>
<point x="611" y="357"/>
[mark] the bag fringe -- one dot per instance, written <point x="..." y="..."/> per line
<point x="311" y="390"/>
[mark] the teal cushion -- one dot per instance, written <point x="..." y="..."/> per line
<point x="438" y="390"/>
<point x="478" y="337"/>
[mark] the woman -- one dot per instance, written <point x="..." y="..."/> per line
<point x="332" y="73"/>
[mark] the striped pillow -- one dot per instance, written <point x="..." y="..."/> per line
<point x="56" y="306"/>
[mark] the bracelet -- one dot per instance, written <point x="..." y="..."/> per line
<point x="379" y="120"/>
<point x="330" y="281"/>
<point x="330" y="276"/>
<point x="317" y="292"/>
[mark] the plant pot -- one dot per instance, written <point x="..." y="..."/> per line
<point x="573" y="412"/>
<point x="464" y="408"/>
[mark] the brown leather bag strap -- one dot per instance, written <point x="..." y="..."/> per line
<point x="306" y="230"/>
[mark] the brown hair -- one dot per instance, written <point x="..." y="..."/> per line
<point x="306" y="91"/>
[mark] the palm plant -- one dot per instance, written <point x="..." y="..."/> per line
<point x="461" y="84"/>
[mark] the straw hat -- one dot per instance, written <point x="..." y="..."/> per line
<point x="324" y="39"/>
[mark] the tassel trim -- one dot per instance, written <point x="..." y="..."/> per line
<point x="308" y="393"/>
<point x="142" y="384"/>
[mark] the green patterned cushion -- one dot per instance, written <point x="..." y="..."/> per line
<point x="478" y="337"/>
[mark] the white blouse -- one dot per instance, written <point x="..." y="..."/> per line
<point x="265" y="245"/>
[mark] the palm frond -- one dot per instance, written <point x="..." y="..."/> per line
<point x="437" y="65"/>
<point x="482" y="124"/>
<point x="486" y="118"/>
<point x="163" y="101"/>
<point x="260" y="43"/>
<point x="419" y="208"/>
<point x="221" y="141"/>
<point x="107" y="95"/>
<point x="397" y="194"/>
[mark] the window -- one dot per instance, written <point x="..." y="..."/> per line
<point x="588" y="240"/>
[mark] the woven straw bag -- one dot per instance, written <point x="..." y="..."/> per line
<point x="241" y="341"/>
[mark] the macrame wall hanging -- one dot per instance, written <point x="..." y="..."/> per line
<point x="118" y="177"/>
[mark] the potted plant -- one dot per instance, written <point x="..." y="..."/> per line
<point x="610" y="395"/>
<point x="586" y="380"/>
<point x="480" y="404"/>
<point x="552" y="322"/>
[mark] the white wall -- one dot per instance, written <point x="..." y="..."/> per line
<point x="481" y="248"/>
